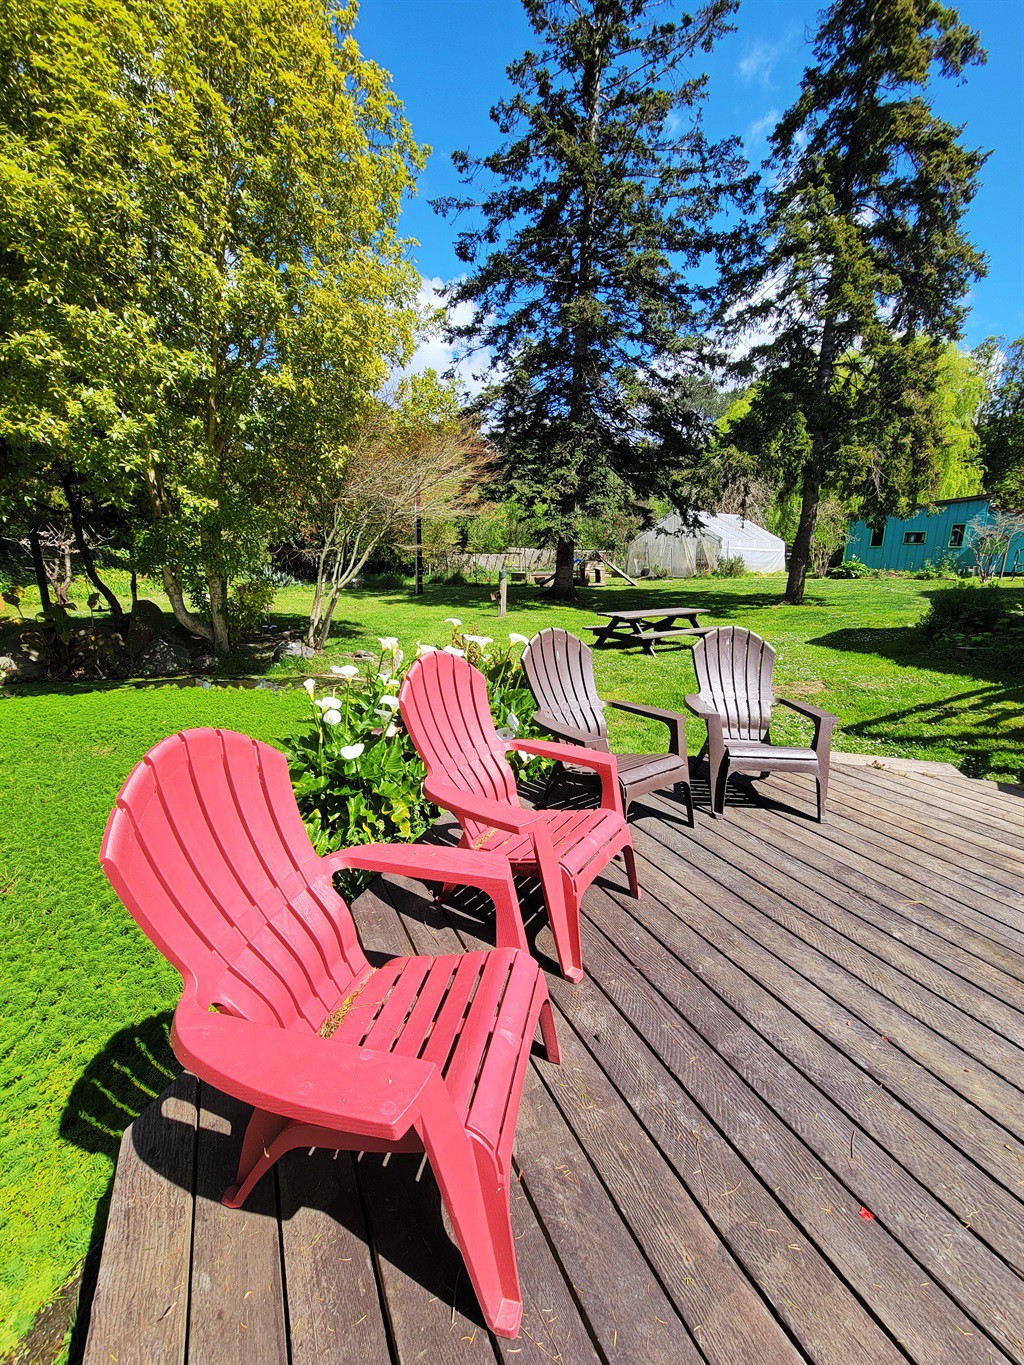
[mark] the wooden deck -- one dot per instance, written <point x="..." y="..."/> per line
<point x="788" y="1125"/>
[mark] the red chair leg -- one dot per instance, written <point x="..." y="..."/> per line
<point x="564" y="916"/>
<point x="257" y="1155"/>
<point x="547" y="1032"/>
<point x="475" y="1193"/>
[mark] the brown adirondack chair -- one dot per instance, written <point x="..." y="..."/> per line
<point x="560" y="670"/>
<point x="281" y="1009"/>
<point x="734" y="674"/>
<point x="448" y="717"/>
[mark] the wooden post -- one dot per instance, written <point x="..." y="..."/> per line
<point x="418" y="541"/>
<point x="502" y="591"/>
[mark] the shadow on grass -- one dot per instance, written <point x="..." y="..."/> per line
<point x="992" y="695"/>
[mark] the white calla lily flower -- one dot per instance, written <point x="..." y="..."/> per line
<point x="390" y="702"/>
<point x="328" y="703"/>
<point x="332" y="717"/>
<point x="422" y="649"/>
<point x="459" y="653"/>
<point x="347" y="671"/>
<point x="310" y="686"/>
<point x="388" y="642"/>
<point x="512" y="721"/>
<point x="505" y="734"/>
<point x="518" y="639"/>
<point x="351" y="750"/>
<point x="452" y="621"/>
<point x="480" y="640"/>
<point x="391" y="731"/>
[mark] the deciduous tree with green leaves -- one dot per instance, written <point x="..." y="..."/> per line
<point x="208" y="284"/>
<point x="1001" y="420"/>
<point x="865" y="264"/>
<point x="604" y="195"/>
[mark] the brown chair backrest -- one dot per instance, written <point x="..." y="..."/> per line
<point x="734" y="675"/>
<point x="560" y="671"/>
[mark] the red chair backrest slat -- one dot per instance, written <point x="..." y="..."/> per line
<point x="446" y="711"/>
<point x="734" y="675"/>
<point x="207" y="850"/>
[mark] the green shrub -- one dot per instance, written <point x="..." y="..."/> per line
<point x="357" y="776"/>
<point x="966" y="610"/>
<point x="853" y="568"/>
<point x="249" y="604"/>
<point x="732" y="566"/>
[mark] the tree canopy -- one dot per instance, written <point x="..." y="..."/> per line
<point x="602" y="199"/>
<point x="205" y="285"/>
<point x="865" y="266"/>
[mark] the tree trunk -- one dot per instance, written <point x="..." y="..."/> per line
<point x="194" y="624"/>
<point x="39" y="565"/>
<point x="563" y="585"/>
<point x="88" y="563"/>
<point x="218" y="612"/>
<point x="800" y="557"/>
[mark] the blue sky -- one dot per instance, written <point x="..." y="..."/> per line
<point x="448" y="59"/>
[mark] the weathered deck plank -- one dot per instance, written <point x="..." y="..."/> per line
<point x="798" y="1026"/>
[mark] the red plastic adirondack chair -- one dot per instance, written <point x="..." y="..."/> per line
<point x="446" y="712"/>
<point x="207" y="850"/>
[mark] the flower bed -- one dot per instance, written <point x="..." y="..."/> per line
<point x="357" y="777"/>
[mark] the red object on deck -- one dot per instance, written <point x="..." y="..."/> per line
<point x="281" y="1009"/>
<point x="446" y="712"/>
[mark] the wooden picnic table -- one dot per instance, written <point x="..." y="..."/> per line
<point x="647" y="625"/>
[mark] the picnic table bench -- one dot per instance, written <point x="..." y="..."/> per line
<point x="646" y="626"/>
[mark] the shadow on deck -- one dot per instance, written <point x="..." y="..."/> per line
<point x="788" y="1124"/>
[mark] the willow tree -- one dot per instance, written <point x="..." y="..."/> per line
<point x="604" y="195"/>
<point x="207" y="286"/>
<point x="865" y="264"/>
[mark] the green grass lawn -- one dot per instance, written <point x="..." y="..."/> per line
<point x="86" y="1000"/>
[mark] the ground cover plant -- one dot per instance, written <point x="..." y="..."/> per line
<point x="87" y="1000"/>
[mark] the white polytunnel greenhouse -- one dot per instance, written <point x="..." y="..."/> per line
<point x="683" y="549"/>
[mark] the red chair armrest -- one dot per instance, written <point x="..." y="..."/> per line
<point x="500" y="814"/>
<point x="301" y="1075"/>
<point x="604" y="765"/>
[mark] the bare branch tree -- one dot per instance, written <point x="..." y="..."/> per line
<point x="445" y="465"/>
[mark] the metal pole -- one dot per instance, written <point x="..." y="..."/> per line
<point x="502" y="591"/>
<point x="418" y="539"/>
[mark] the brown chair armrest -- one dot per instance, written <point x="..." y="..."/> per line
<point x="675" y="721"/>
<point x="563" y="730"/>
<point x="806" y="709"/>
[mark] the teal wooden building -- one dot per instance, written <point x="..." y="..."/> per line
<point x="936" y="531"/>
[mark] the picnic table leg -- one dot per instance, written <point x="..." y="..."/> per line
<point x="638" y="630"/>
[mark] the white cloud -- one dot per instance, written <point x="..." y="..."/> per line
<point x="435" y="352"/>
<point x="757" y="132"/>
<point x="758" y="63"/>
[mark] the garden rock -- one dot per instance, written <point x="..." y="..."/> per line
<point x="145" y="624"/>
<point x="162" y="657"/>
<point x="293" y="649"/>
<point x="203" y="663"/>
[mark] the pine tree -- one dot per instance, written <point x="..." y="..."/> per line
<point x="865" y="264"/>
<point x="605" y="195"/>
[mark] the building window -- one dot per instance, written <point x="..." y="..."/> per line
<point x="877" y="536"/>
<point x="956" y="534"/>
<point x="913" y="537"/>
